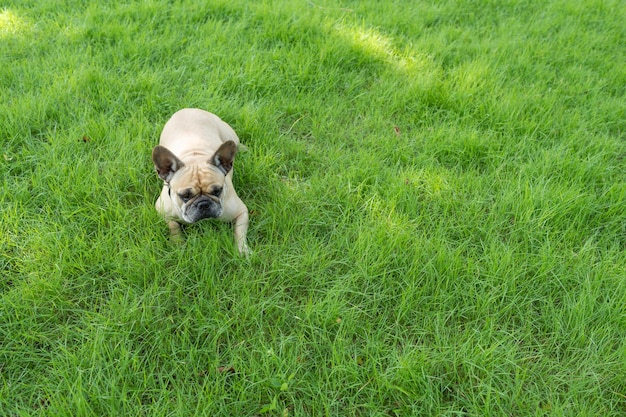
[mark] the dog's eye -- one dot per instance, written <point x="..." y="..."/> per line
<point x="217" y="191"/>
<point x="186" y="196"/>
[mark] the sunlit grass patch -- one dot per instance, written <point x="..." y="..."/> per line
<point x="11" y="24"/>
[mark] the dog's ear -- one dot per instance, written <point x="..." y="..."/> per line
<point x="165" y="163"/>
<point x="224" y="156"/>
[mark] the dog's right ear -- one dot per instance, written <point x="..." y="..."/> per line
<point x="165" y="163"/>
<point x="224" y="156"/>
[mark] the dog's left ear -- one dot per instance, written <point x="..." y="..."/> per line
<point x="224" y="156"/>
<point x="165" y="163"/>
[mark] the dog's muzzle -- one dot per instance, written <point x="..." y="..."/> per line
<point x="203" y="208"/>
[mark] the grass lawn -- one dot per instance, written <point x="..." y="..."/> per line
<point x="437" y="195"/>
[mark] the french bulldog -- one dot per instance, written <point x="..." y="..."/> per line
<point x="195" y="158"/>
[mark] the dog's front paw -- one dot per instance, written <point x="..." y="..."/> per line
<point x="244" y="249"/>
<point x="177" y="239"/>
<point x="176" y="233"/>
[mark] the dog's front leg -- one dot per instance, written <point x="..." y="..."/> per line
<point x="241" y="228"/>
<point x="176" y="232"/>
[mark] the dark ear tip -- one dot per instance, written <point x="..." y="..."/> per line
<point x="155" y="152"/>
<point x="230" y="147"/>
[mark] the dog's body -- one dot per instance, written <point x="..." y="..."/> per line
<point x="195" y="158"/>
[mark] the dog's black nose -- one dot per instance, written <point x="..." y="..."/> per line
<point x="203" y="205"/>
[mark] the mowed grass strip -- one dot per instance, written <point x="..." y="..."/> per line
<point x="437" y="196"/>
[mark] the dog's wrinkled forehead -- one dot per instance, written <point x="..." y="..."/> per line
<point x="200" y="179"/>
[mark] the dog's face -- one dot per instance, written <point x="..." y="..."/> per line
<point x="196" y="189"/>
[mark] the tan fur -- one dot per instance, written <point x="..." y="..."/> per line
<point x="199" y="141"/>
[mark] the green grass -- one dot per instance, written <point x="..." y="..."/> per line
<point x="437" y="195"/>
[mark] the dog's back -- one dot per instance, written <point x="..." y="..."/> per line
<point x="195" y="129"/>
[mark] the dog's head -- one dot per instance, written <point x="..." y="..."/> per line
<point x="197" y="189"/>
